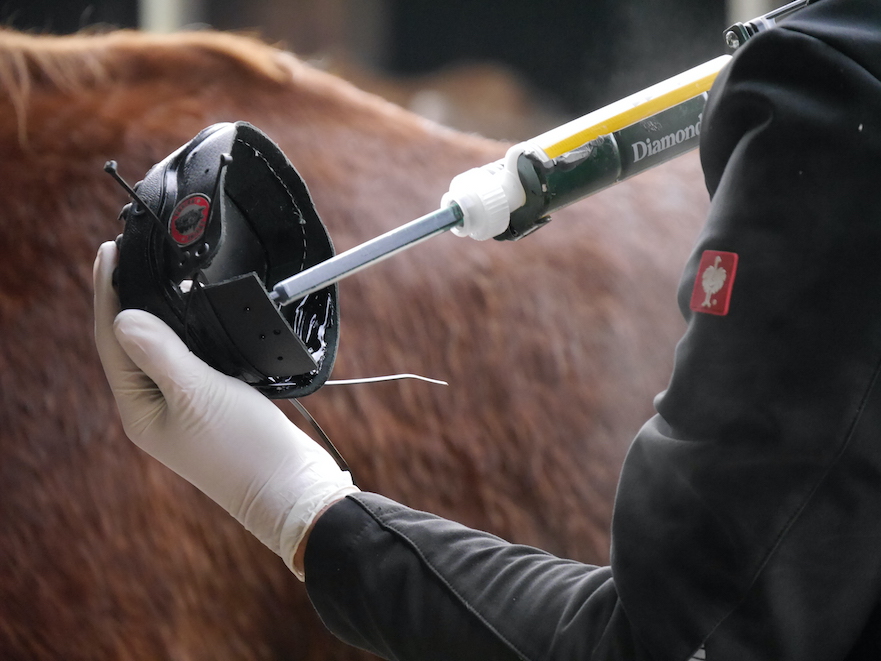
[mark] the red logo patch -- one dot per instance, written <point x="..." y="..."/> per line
<point x="189" y="218"/>
<point x="715" y="278"/>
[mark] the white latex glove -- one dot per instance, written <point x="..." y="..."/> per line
<point x="213" y="430"/>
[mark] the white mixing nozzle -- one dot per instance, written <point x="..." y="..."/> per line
<point x="487" y="195"/>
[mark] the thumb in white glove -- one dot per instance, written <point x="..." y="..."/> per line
<point x="213" y="430"/>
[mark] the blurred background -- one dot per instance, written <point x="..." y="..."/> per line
<point x="507" y="70"/>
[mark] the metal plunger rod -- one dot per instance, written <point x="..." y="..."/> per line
<point x="349" y="262"/>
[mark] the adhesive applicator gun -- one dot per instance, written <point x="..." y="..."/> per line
<point x="514" y="196"/>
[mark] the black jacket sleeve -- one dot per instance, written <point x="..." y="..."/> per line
<point x="408" y="585"/>
<point x="749" y="509"/>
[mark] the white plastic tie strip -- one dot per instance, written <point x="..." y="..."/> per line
<point x="378" y="379"/>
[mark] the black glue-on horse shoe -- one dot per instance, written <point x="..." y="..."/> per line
<point x="211" y="229"/>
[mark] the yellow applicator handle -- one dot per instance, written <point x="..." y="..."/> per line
<point x="630" y="110"/>
<point x="512" y="197"/>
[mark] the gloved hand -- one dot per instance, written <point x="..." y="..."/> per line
<point x="213" y="430"/>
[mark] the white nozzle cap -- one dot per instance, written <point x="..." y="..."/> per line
<point x="487" y="195"/>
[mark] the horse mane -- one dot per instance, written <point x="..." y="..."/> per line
<point x="90" y="62"/>
<point x="70" y="62"/>
<point x="121" y="61"/>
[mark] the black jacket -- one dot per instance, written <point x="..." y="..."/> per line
<point x="748" y="518"/>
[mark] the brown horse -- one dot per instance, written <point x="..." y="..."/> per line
<point x="553" y="347"/>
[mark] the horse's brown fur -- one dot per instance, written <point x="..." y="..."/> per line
<point x="553" y="347"/>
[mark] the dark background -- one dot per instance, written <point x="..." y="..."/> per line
<point x="65" y="16"/>
<point x="581" y="54"/>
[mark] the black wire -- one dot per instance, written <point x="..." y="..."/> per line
<point x="325" y="439"/>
